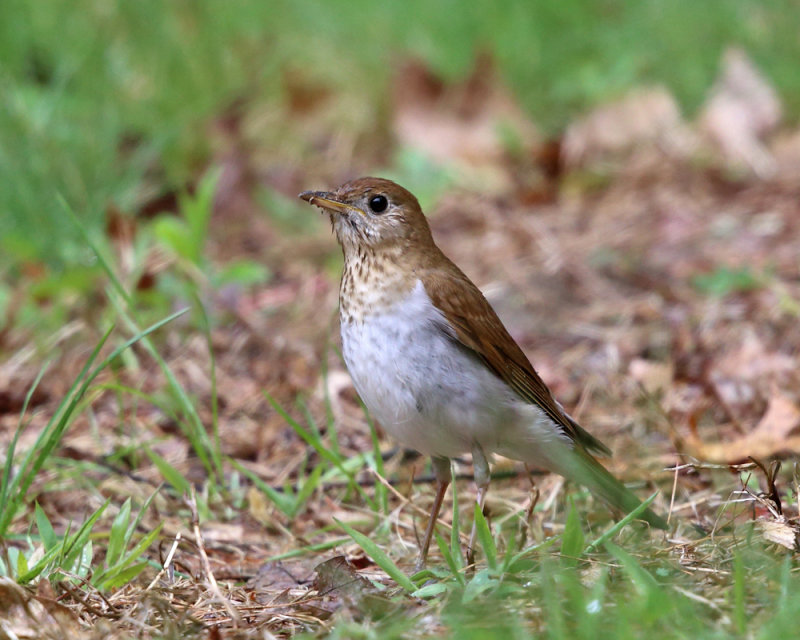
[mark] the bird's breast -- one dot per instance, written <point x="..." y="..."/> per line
<point x="426" y="389"/>
<point x="372" y="285"/>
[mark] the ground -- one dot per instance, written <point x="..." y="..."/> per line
<point x="215" y="475"/>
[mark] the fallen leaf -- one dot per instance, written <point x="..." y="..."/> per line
<point x="738" y="375"/>
<point x="228" y="533"/>
<point x="24" y="615"/>
<point x="273" y="576"/>
<point x="773" y="435"/>
<point x="780" y="531"/>
<point x="337" y="575"/>
<point x="643" y="117"/>
<point x="260" y="507"/>
<point x="653" y="376"/>
<point x="742" y="108"/>
<point x="461" y="123"/>
<point x="338" y="579"/>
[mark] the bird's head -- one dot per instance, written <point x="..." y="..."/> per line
<point x="373" y="213"/>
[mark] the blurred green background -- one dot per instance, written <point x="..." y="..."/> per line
<point x="108" y="102"/>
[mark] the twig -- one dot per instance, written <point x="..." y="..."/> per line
<point x="76" y="593"/>
<point x="672" y="497"/>
<point x="696" y="597"/>
<point x="525" y="524"/>
<point x="191" y="502"/>
<point x="167" y="563"/>
<point x="774" y="494"/>
<point x="405" y="500"/>
<point x="550" y="500"/>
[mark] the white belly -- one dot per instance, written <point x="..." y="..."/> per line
<point x="432" y="394"/>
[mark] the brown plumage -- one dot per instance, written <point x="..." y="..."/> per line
<point x="478" y="328"/>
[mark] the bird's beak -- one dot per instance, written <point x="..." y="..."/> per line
<point x="327" y="200"/>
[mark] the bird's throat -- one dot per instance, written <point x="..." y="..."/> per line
<point x="373" y="281"/>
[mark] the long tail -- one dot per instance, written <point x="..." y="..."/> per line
<point x="578" y="465"/>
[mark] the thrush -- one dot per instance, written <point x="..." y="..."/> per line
<point x="433" y="362"/>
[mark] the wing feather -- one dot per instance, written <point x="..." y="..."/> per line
<point x="473" y="322"/>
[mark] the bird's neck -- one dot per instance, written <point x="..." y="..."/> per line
<point x="374" y="280"/>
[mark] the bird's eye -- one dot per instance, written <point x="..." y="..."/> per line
<point x="378" y="203"/>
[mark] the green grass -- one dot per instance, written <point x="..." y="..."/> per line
<point x="15" y="484"/>
<point x="637" y="588"/>
<point x="618" y="582"/>
<point x="71" y="553"/>
<point x="109" y="103"/>
<point x="629" y="591"/>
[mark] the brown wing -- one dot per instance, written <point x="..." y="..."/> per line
<point x="478" y="328"/>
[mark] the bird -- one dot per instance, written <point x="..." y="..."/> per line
<point x="433" y="362"/>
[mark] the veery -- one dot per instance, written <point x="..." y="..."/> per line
<point x="432" y="361"/>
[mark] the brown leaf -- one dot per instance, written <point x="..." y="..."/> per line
<point x="742" y="108"/>
<point x="743" y="376"/>
<point x="303" y="94"/>
<point x="259" y="506"/>
<point x="773" y="435"/>
<point x="781" y="531"/>
<point x="13" y="399"/>
<point x="338" y="578"/>
<point x="653" y="376"/>
<point x="338" y="575"/>
<point x="643" y="117"/>
<point x="458" y="123"/>
<point x="273" y="576"/>
<point x="751" y="360"/>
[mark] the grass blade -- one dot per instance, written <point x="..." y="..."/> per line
<point x="109" y="578"/>
<point x="46" y="532"/>
<point x="283" y="501"/>
<point x="4" y="485"/>
<point x="312" y="548"/>
<point x="68" y="554"/>
<point x="645" y="583"/>
<point x="194" y="429"/>
<point x="553" y="602"/>
<point x="739" y="612"/>
<point x="485" y="537"/>
<point x="18" y="485"/>
<point x="455" y="531"/>
<point x="171" y="474"/>
<point x="614" y="530"/>
<point x="216" y="450"/>
<point x="379" y="557"/>
<point x="453" y="564"/>
<point x="308" y="487"/>
<point x="381" y="492"/>
<point x="572" y="539"/>
<point x="329" y="419"/>
<point x="318" y="446"/>
<point x="116" y="537"/>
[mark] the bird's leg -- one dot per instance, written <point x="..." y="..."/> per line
<point x="482" y="476"/>
<point x="525" y="525"/>
<point x="441" y="469"/>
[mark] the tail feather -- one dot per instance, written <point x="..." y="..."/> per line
<point x="578" y="465"/>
